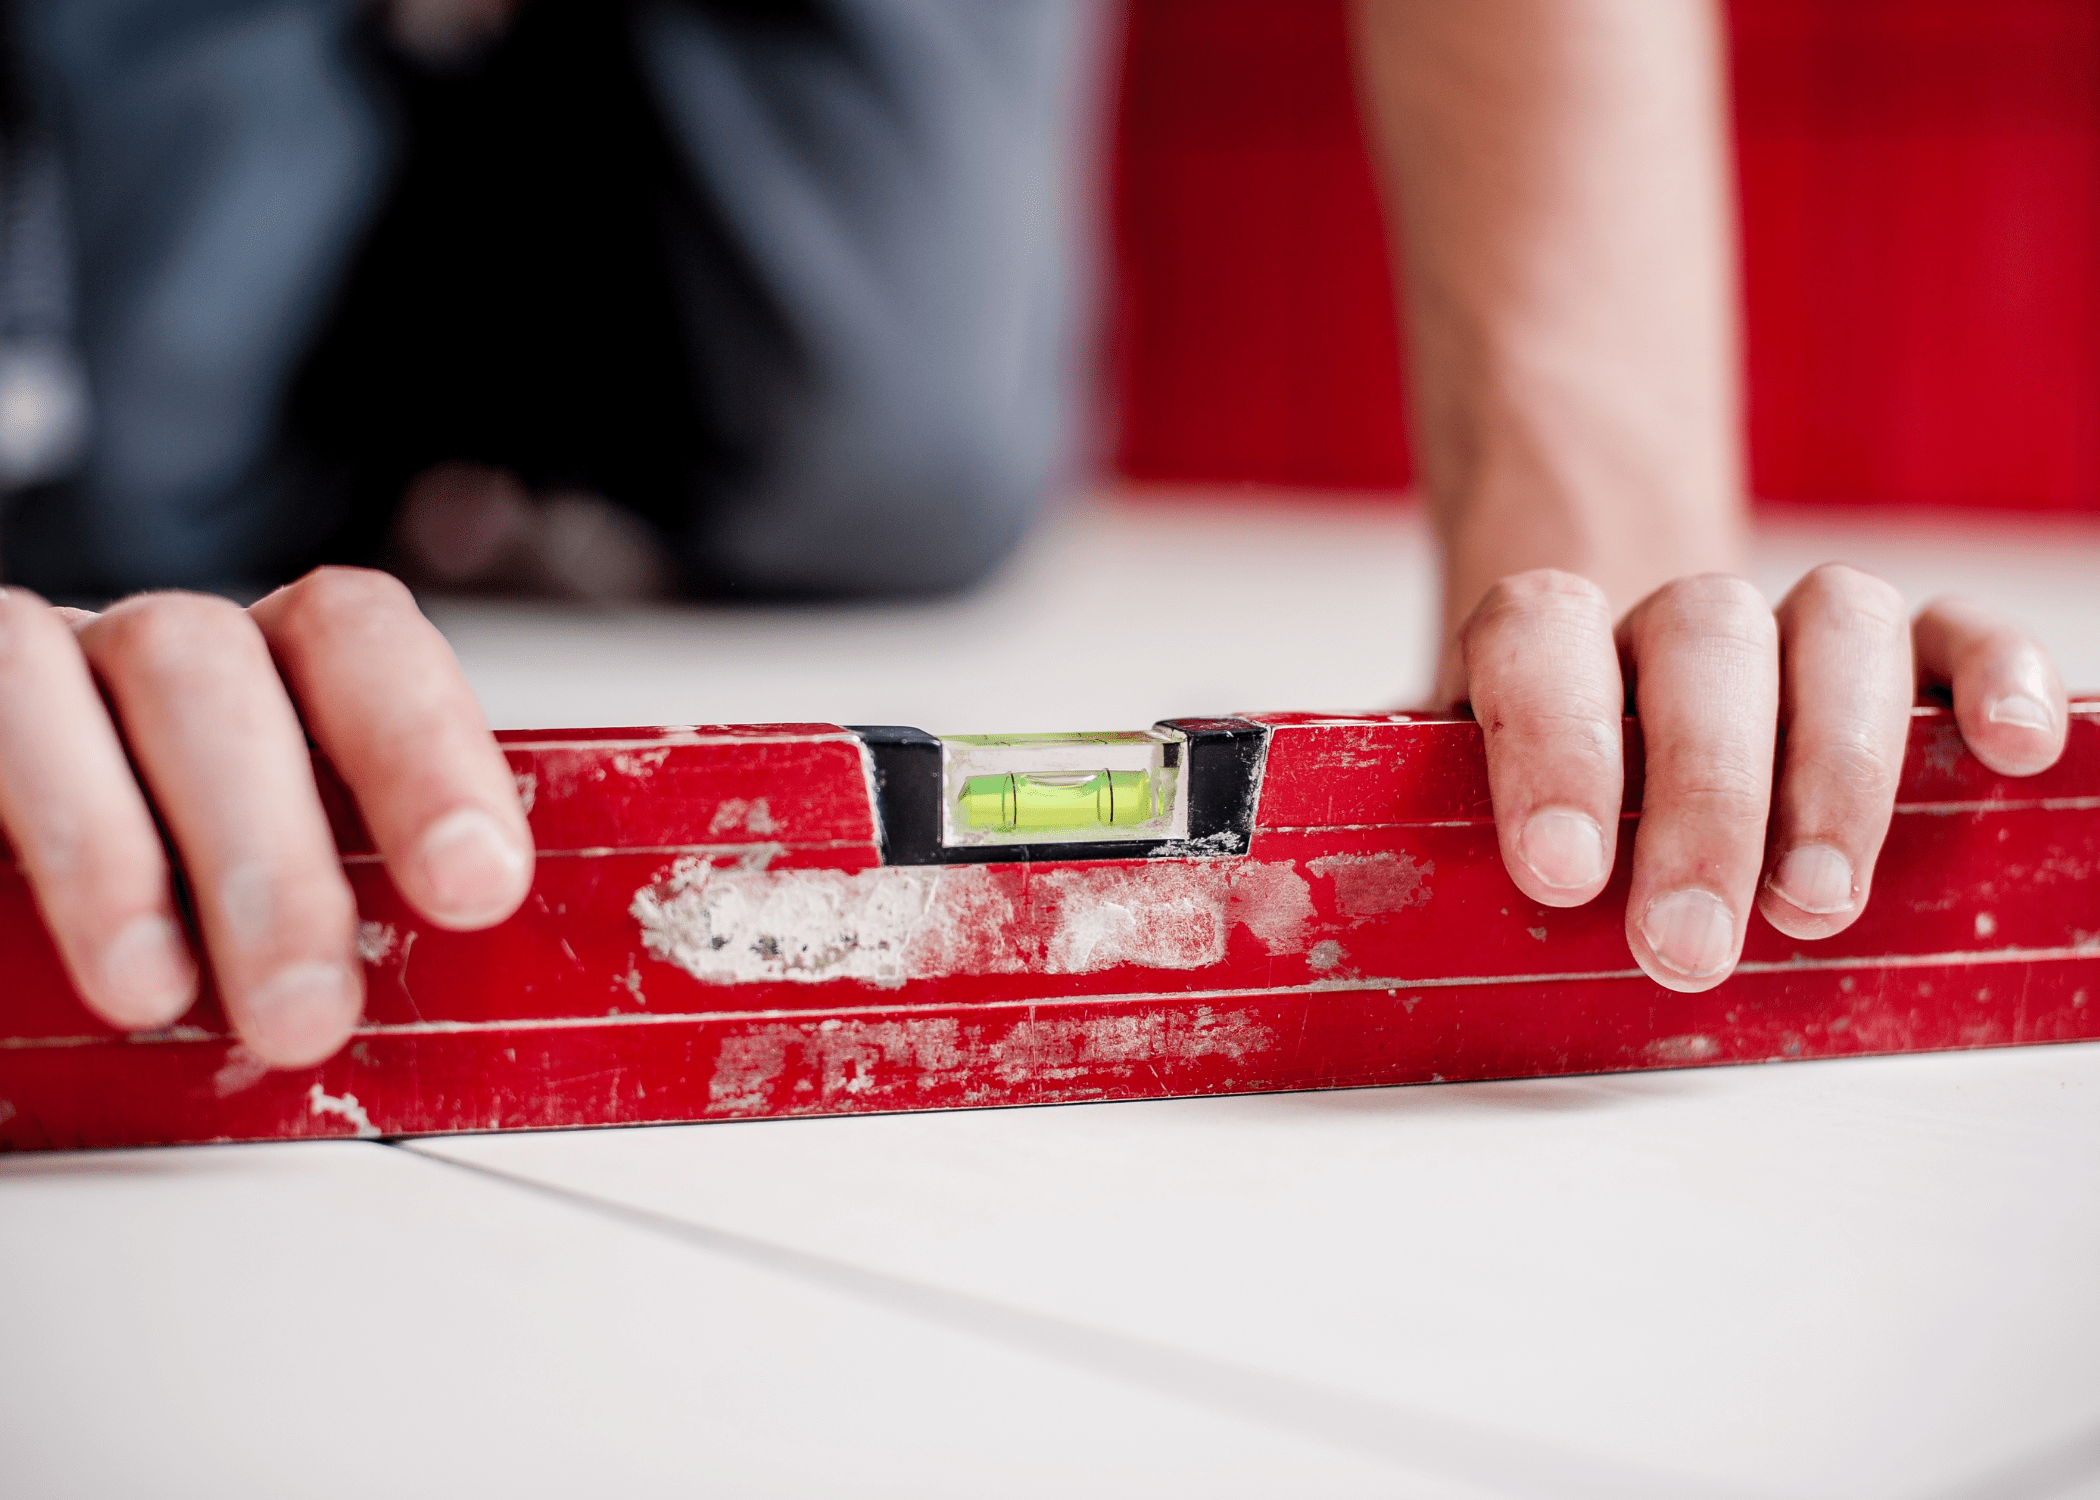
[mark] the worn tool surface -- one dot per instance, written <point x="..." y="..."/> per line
<point x="715" y="932"/>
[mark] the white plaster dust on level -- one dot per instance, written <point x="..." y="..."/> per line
<point x="639" y="764"/>
<point x="889" y="925"/>
<point x="376" y="942"/>
<point x="1371" y="885"/>
<point x="1691" y="1048"/>
<point x="344" y="1105"/>
<point x="735" y="815"/>
<point x="840" y="1058"/>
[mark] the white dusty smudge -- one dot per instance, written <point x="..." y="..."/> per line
<point x="345" y="1105"/>
<point x="1217" y="845"/>
<point x="1370" y="885"/>
<point x="528" y="790"/>
<point x="1104" y="917"/>
<point x="7" y="1110"/>
<point x="1274" y="902"/>
<point x="836" y="1057"/>
<point x="885" y="926"/>
<point x="734" y="814"/>
<point x="241" y="1070"/>
<point x="1691" y="1048"/>
<point x="639" y="764"/>
<point x="730" y="926"/>
<point x="377" y="942"/>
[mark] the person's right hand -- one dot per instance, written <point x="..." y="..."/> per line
<point x="198" y="719"/>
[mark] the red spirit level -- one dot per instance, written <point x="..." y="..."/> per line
<point x="805" y="919"/>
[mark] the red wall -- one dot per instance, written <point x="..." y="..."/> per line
<point x="1921" y="244"/>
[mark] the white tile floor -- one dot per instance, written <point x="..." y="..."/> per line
<point x="1809" y="1280"/>
<point x="1871" y="1278"/>
<point x="1120" y="615"/>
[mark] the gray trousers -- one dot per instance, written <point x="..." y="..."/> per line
<point x="792" y="280"/>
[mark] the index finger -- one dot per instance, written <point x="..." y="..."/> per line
<point x="384" y="698"/>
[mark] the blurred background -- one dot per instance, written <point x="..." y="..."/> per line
<point x="1920" y="231"/>
<point x="1919" y="196"/>
<point x="1920" y="203"/>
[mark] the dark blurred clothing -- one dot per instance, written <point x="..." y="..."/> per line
<point x="790" y="281"/>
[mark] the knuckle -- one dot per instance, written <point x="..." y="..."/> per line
<point x="1554" y="713"/>
<point x="287" y="904"/>
<point x="2007" y="649"/>
<point x="1544" y="590"/>
<point x="90" y="860"/>
<point x="1968" y="636"/>
<point x="1541" y="624"/>
<point x="1960" y="613"/>
<point x="25" y="626"/>
<point x="167" y="631"/>
<point x="319" y="902"/>
<point x="92" y="899"/>
<point x="1726" y="783"/>
<point x="1859" y="771"/>
<point x="17" y="602"/>
<point x="333" y="598"/>
<point x="1723" y="797"/>
<point x="1842" y="594"/>
<point x="1577" y="744"/>
<point x="1713" y="592"/>
<point x="1711" y="607"/>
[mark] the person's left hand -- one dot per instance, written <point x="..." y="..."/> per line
<point x="1718" y="679"/>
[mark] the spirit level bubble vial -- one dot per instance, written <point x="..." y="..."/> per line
<point x="1022" y="788"/>
<point x="1081" y="802"/>
<point x="1184" y="787"/>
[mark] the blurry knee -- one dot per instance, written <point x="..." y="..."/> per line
<point x="884" y="512"/>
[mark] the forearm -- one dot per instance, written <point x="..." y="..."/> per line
<point x="1560" y="201"/>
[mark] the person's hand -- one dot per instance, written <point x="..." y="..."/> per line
<point x="198" y="720"/>
<point x="1717" y="679"/>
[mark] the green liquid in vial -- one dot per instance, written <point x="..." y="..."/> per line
<point x="1068" y="803"/>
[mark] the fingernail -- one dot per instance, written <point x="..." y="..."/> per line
<point x="1565" y="849"/>
<point x="2023" y="711"/>
<point x="1816" y="878"/>
<point x="301" y="1014"/>
<point x="473" y="871"/>
<point x="1692" y="932"/>
<point x="147" y="972"/>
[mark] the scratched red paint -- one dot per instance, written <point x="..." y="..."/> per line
<point x="1368" y="936"/>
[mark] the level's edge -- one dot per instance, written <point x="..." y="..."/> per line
<point x="1115" y="1048"/>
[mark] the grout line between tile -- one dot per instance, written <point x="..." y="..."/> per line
<point x="1516" y="1465"/>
